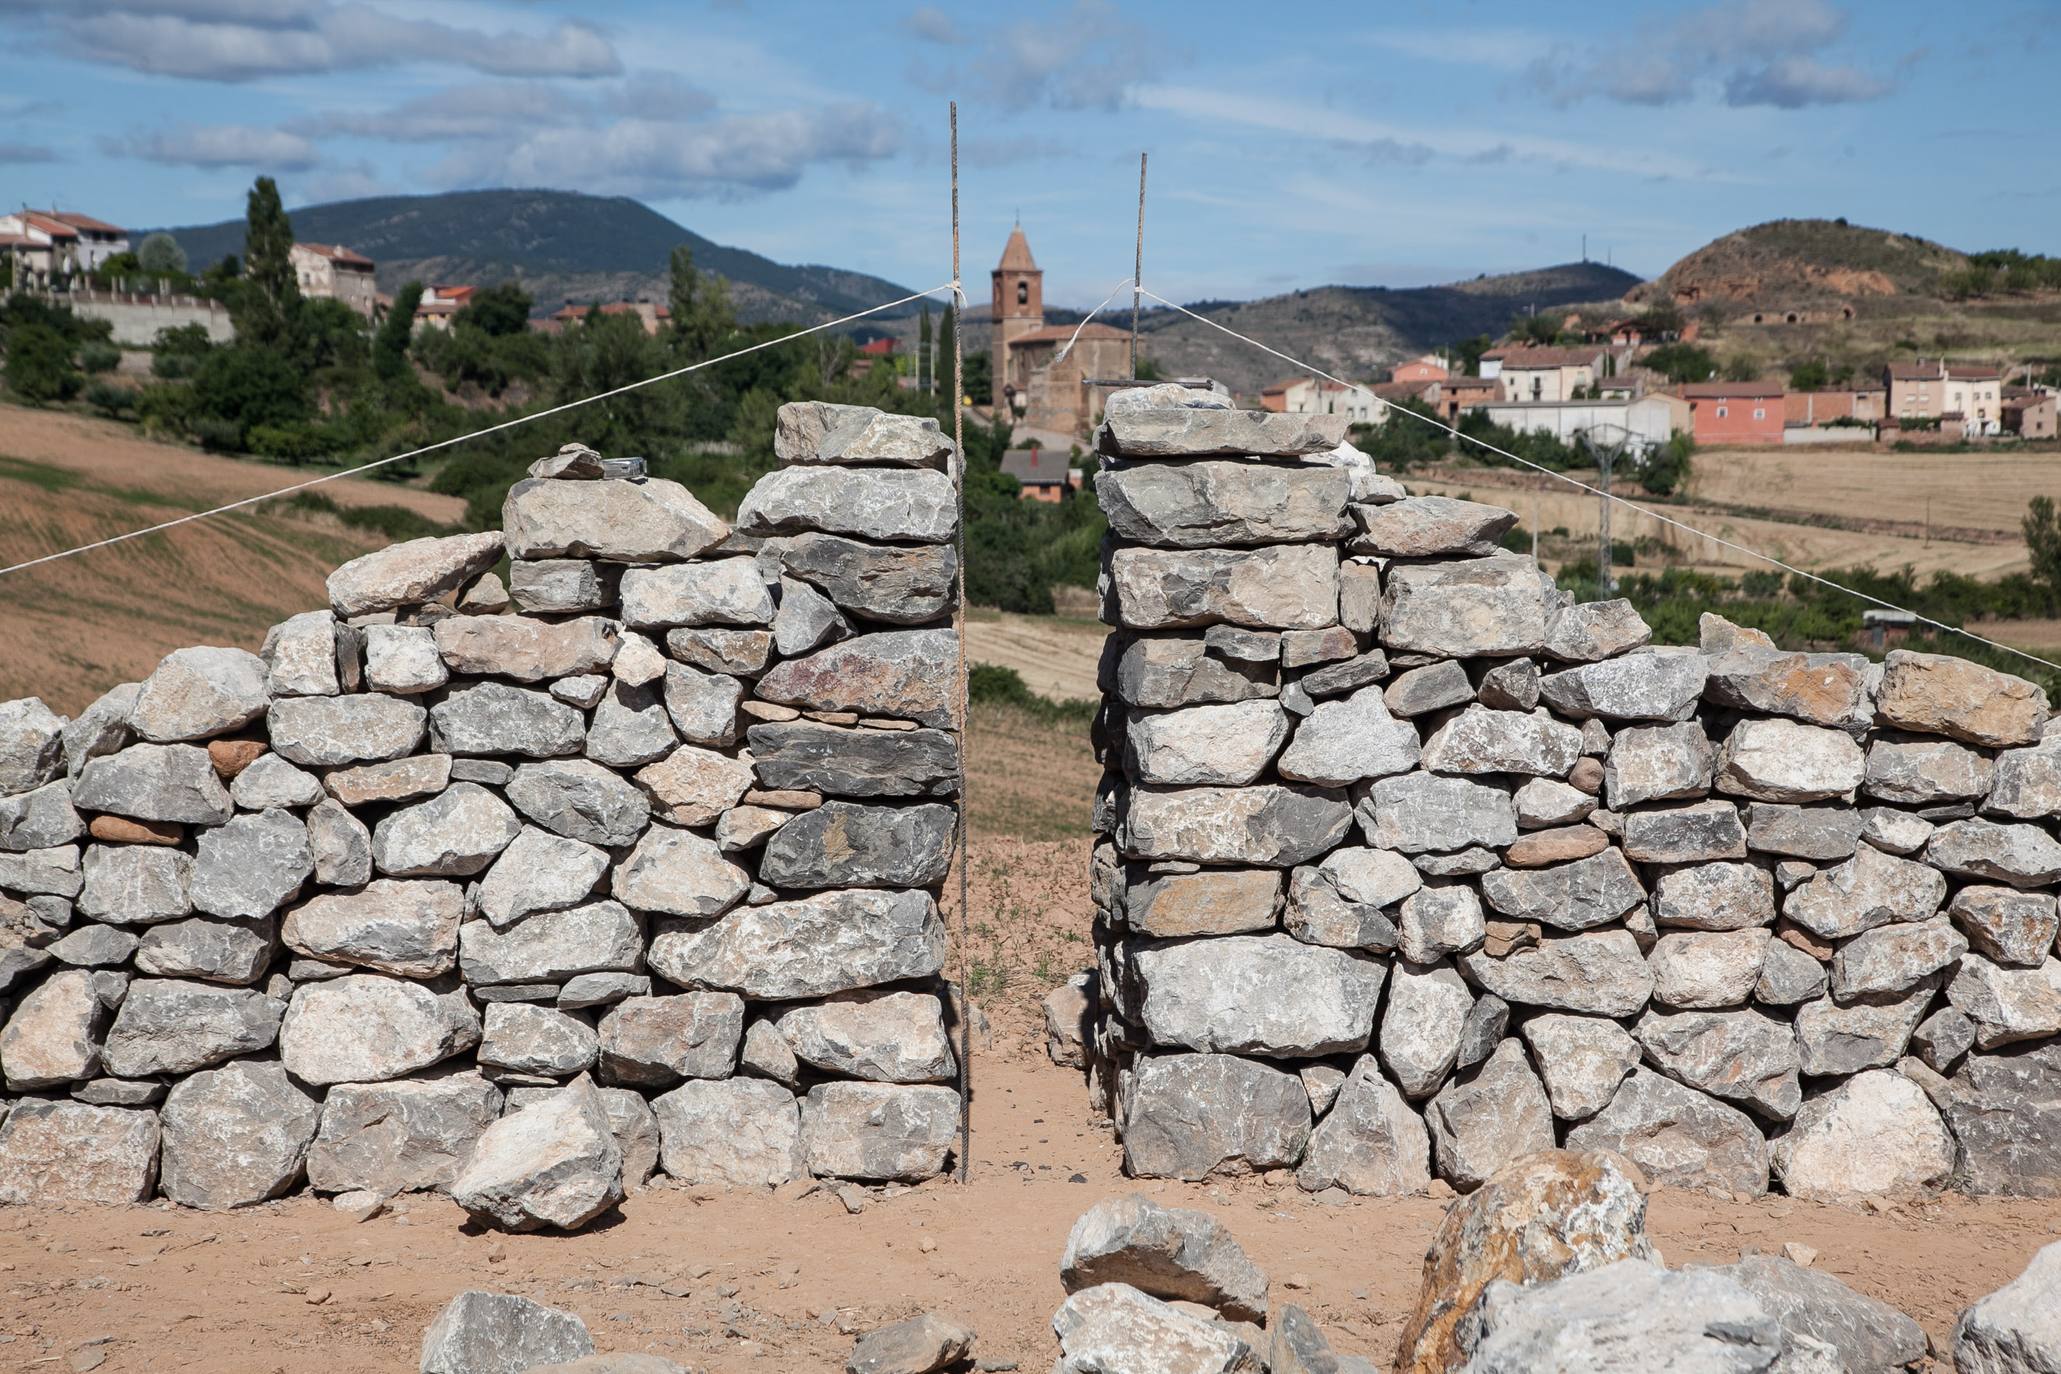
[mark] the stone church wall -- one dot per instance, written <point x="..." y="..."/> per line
<point x="649" y="836"/>
<point x="1408" y="866"/>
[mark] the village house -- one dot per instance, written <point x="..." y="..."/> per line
<point x="327" y="272"/>
<point x="1917" y="391"/>
<point x="1042" y="474"/>
<point x="1451" y="395"/>
<point x="439" y="304"/>
<point x="651" y="315"/>
<point x="874" y="353"/>
<point x="1317" y="396"/>
<point x="1808" y="408"/>
<point x="1976" y="394"/>
<point x="48" y="246"/>
<point x="1041" y="390"/>
<point x="1543" y="373"/>
<point x="1639" y="425"/>
<point x="1429" y="368"/>
<point x="2030" y="413"/>
<point x="1735" y="413"/>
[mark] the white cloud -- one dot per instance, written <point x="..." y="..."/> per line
<point x="726" y="158"/>
<point x="243" y="40"/>
<point x="1381" y="141"/>
<point x="1084" y="57"/>
<point x="1757" y="52"/>
<point x="932" y="25"/>
<point x="1794" y="82"/>
<point x="221" y="145"/>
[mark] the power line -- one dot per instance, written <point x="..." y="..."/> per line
<point x="1647" y="511"/>
<point x="952" y="286"/>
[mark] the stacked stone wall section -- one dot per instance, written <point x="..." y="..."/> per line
<point x="632" y="854"/>
<point x="1408" y="866"/>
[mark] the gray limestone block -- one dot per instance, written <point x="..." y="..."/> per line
<point x="1218" y="504"/>
<point x="644" y="521"/>
<point x="411" y="573"/>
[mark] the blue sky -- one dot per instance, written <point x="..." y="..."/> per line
<point x="1291" y="146"/>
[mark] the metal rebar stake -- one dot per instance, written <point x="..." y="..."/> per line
<point x="965" y="716"/>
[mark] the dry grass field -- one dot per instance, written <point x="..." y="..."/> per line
<point x="1818" y="509"/>
<point x="74" y="628"/>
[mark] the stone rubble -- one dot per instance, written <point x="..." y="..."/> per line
<point x="475" y="887"/>
<point x="1748" y="917"/>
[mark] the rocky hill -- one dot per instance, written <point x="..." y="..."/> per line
<point x="563" y="246"/>
<point x="1787" y="263"/>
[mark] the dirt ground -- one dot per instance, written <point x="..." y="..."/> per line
<point x="759" y="1282"/>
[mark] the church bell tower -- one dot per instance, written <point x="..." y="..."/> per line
<point x="1019" y="308"/>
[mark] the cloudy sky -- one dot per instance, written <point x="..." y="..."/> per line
<point x="1291" y="145"/>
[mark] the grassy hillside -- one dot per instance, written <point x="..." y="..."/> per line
<point x="562" y="245"/>
<point x="77" y="627"/>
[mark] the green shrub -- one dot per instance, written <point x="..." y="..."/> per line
<point x="111" y="399"/>
<point x="216" y="434"/>
<point x="288" y="443"/>
<point x="98" y="358"/>
<point x="39" y="365"/>
<point x="394" y="522"/>
<point x="988" y="684"/>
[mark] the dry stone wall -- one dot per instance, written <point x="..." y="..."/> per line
<point x="1408" y="867"/>
<point x="635" y="855"/>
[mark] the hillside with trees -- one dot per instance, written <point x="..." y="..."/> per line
<point x="312" y="384"/>
<point x="560" y="246"/>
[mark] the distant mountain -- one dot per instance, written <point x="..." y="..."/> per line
<point x="562" y="245"/>
<point x="1356" y="331"/>
<point x="1789" y="263"/>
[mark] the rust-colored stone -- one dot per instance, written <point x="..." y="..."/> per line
<point x="1796" y="937"/>
<point x="1536" y="1219"/>
<point x="232" y="756"/>
<point x="782" y="800"/>
<point x="1506" y="937"/>
<point x="1587" y="774"/>
<point x="123" y="830"/>
<point x="1561" y="844"/>
<point x="1941" y="695"/>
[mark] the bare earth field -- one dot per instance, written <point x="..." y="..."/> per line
<point x="75" y="628"/>
<point x="738" y="1282"/>
<point x="1973" y="527"/>
<point x="1055" y="656"/>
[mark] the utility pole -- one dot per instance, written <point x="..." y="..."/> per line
<point x="1605" y="453"/>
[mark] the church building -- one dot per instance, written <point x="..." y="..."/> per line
<point x="1044" y="393"/>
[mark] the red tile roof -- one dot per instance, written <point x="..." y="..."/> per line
<point x="342" y="257"/>
<point x="86" y="222"/>
<point x="1973" y="374"/>
<point x="1720" y="391"/>
<point x="56" y="228"/>
<point x="1914" y="372"/>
